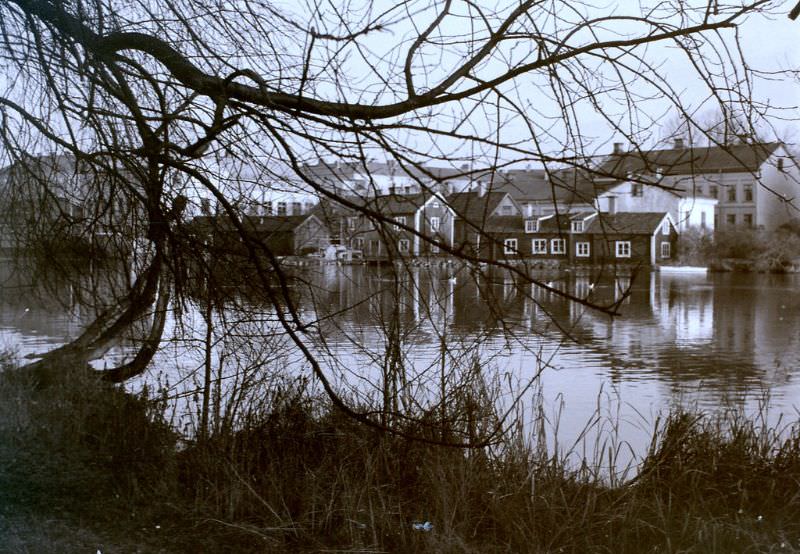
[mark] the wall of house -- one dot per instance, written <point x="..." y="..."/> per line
<point x="697" y="212"/>
<point x="653" y="199"/>
<point x="435" y="208"/>
<point x="778" y="196"/>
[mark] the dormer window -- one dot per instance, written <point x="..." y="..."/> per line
<point x="577" y="226"/>
<point x="531" y="225"/>
<point x="637" y="189"/>
<point x="665" y="228"/>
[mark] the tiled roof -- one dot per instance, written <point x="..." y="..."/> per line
<point x="397" y="204"/>
<point x="686" y="161"/>
<point x="565" y="186"/>
<point x="642" y="223"/>
<point x="504" y="224"/>
<point x="474" y="206"/>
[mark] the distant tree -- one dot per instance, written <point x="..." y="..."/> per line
<point x="160" y="96"/>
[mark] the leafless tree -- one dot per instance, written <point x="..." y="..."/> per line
<point x="160" y="97"/>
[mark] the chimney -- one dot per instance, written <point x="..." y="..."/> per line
<point x="481" y="189"/>
<point x="529" y="210"/>
<point x="617" y="148"/>
<point x="679" y="144"/>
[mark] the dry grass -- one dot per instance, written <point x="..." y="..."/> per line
<point x="85" y="466"/>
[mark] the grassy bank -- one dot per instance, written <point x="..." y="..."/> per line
<point x="85" y="467"/>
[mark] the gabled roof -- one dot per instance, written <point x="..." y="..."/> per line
<point x="564" y="186"/>
<point x="633" y="223"/>
<point x="504" y="224"/>
<point x="397" y="204"/>
<point x="474" y="206"/>
<point x="737" y="158"/>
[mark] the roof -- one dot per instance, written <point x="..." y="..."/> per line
<point x="474" y="206"/>
<point x="504" y="224"/>
<point x="261" y="224"/>
<point x="565" y="186"/>
<point x="630" y="223"/>
<point x="397" y="204"/>
<point x="737" y="158"/>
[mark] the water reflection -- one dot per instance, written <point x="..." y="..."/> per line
<point x="708" y="339"/>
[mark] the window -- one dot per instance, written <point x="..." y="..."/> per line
<point x="531" y="225"/>
<point x="623" y="248"/>
<point x="666" y="249"/>
<point x="702" y="220"/>
<point x="435" y="204"/>
<point x="357" y="243"/>
<point x="352" y="222"/>
<point x="267" y="208"/>
<point x="539" y="246"/>
<point x="665" y="228"/>
<point x="281" y="208"/>
<point x="637" y="189"/>
<point x="434" y="223"/>
<point x="730" y="219"/>
<point x="508" y="209"/>
<point x="577" y="226"/>
<point x="748" y="193"/>
<point x="434" y="249"/>
<point x="401" y="219"/>
<point x="558" y="246"/>
<point x="748" y="219"/>
<point x="582" y="249"/>
<point x="732" y="193"/>
<point x="297" y="208"/>
<point x="713" y="191"/>
<point x="510" y="246"/>
<point x="402" y="246"/>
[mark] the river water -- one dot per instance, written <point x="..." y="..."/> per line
<point x="706" y="341"/>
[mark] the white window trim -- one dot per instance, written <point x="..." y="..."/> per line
<point x="434" y="249"/>
<point x="622" y="248"/>
<point x="558" y="246"/>
<point x="666" y="250"/>
<point x="577" y="226"/>
<point x="538" y="251"/>
<point x="510" y="246"/>
<point x="435" y="223"/>
<point x="531" y="225"/>
<point x="665" y="228"/>
<point x="579" y="247"/>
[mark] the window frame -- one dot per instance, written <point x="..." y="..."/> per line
<point x="577" y="226"/>
<point x="561" y="249"/>
<point x="666" y="249"/>
<point x="435" y="222"/>
<point x="732" y="193"/>
<point x="622" y="249"/>
<point x="637" y="190"/>
<point x="510" y="246"/>
<point x="531" y="225"/>
<point x="579" y="249"/>
<point x="748" y="193"/>
<point x="404" y="246"/>
<point x="538" y="252"/>
<point x="665" y="227"/>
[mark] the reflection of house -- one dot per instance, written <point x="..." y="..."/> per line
<point x="755" y="185"/>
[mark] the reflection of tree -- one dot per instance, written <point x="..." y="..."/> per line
<point x="154" y="101"/>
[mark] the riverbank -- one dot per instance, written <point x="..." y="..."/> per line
<point x="86" y="467"/>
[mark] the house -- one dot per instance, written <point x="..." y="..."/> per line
<point x="542" y="192"/>
<point x="55" y="196"/>
<point x="755" y="185"/>
<point x="415" y="215"/>
<point x="371" y="178"/>
<point x="479" y="219"/>
<point x="601" y="238"/>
